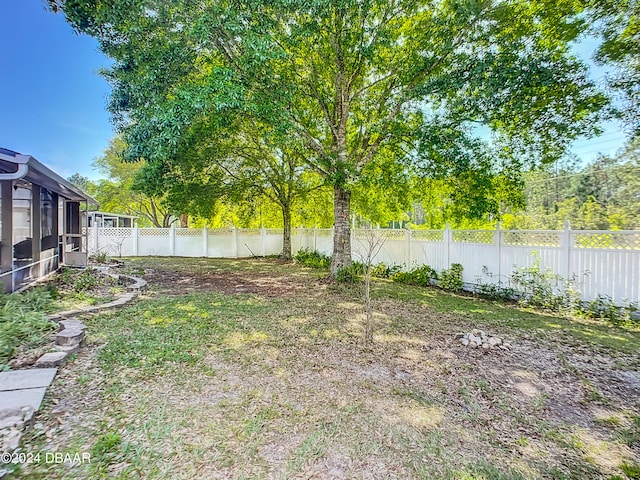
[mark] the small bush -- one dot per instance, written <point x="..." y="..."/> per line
<point x="451" y="278"/>
<point x="80" y="280"/>
<point x="545" y="289"/>
<point x="603" y="308"/>
<point x="420" y="276"/>
<point x="312" y="258"/>
<point x="351" y="273"/>
<point x="382" y="270"/>
<point x="100" y="257"/>
<point x="494" y="291"/>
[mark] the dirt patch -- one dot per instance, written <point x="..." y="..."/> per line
<point x="169" y="282"/>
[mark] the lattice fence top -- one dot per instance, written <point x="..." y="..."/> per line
<point x="538" y="239"/>
<point x="115" y="232"/>
<point x="188" y="232"/>
<point x="273" y="231"/>
<point x="324" y="232"/>
<point x="303" y="232"/>
<point x="366" y="233"/>
<point x="250" y="232"/>
<point x="610" y="240"/>
<point x="154" y="232"/>
<point x="472" y="236"/>
<point x="220" y="232"/>
<point x="391" y="234"/>
<point x="427" y="235"/>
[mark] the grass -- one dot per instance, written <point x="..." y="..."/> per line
<point x="198" y="381"/>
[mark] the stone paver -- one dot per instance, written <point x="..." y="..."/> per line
<point x="73" y="323"/>
<point x="52" y="359"/>
<point x="21" y="379"/>
<point x="70" y="336"/>
<point x="29" y="397"/>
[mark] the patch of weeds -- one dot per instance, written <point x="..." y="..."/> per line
<point x="39" y="299"/>
<point x="609" y="422"/>
<point x="631" y="434"/>
<point x="312" y="448"/>
<point x="631" y="470"/>
<point x="83" y="379"/>
<point x="413" y="395"/>
<point x="107" y="447"/>
<point x="592" y="394"/>
<point x="485" y="471"/>
<point x="21" y="325"/>
<point x="312" y="258"/>
<point x="539" y="402"/>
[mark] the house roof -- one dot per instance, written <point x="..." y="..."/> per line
<point x="14" y="165"/>
<point x="95" y="213"/>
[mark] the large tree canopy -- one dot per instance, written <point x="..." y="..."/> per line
<point x="351" y="81"/>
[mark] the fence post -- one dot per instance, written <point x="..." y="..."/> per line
<point x="497" y="240"/>
<point x="447" y="238"/>
<point x="94" y="227"/>
<point x="235" y="242"/>
<point x="205" y="240"/>
<point x="566" y="248"/>
<point x="135" y="240"/>
<point x="172" y="240"/>
<point x="408" y="254"/>
<point x="315" y="238"/>
<point x="263" y="234"/>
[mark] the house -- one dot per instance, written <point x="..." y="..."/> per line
<point x="108" y="219"/>
<point x="40" y="221"/>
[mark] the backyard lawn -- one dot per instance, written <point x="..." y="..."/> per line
<point x="250" y="369"/>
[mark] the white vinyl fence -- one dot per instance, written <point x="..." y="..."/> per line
<point x="602" y="262"/>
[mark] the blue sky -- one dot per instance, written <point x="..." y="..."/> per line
<point x="51" y="96"/>
<point x="53" y="102"/>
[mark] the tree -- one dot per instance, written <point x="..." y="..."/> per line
<point x="353" y="80"/>
<point x="617" y="22"/>
<point x="248" y="165"/>
<point x="82" y="182"/>
<point x="116" y="193"/>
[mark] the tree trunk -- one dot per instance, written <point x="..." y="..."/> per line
<point x="286" y="236"/>
<point x="184" y="220"/>
<point x="342" y="231"/>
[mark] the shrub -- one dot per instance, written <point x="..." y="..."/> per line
<point x="80" y="280"/>
<point x="100" y="256"/>
<point x="603" y="308"/>
<point x="312" y="258"/>
<point x="382" y="270"/>
<point x="451" y="278"/>
<point x="420" y="276"/>
<point x="350" y="274"/>
<point x="545" y="289"/>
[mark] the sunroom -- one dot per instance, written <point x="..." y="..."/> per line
<point x="40" y="221"/>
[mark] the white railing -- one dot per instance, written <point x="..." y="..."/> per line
<point x="602" y="262"/>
